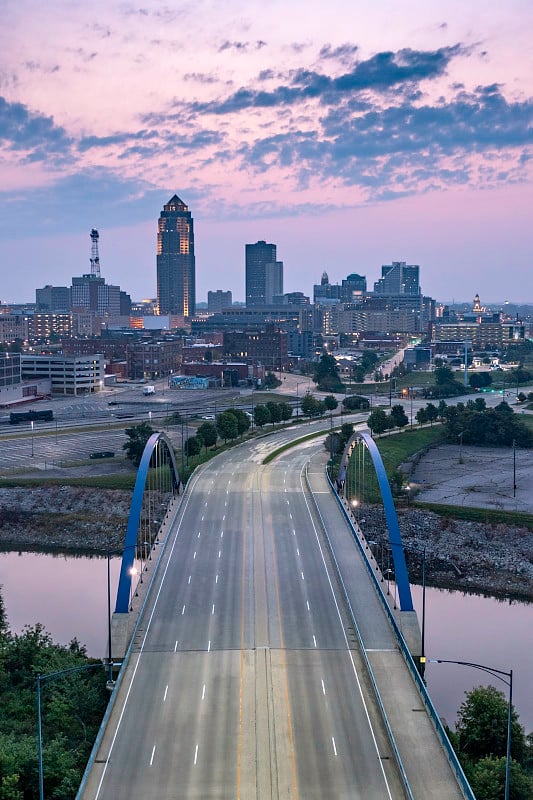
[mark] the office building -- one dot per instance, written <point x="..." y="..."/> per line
<point x="398" y="278"/>
<point x="68" y="374"/>
<point x="218" y="300"/>
<point x="264" y="275"/>
<point x="53" y="298"/>
<point x="267" y="347"/>
<point x="176" y="273"/>
<point x="94" y="294"/>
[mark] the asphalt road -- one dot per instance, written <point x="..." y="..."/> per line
<point x="244" y="680"/>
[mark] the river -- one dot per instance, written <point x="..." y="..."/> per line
<point x="68" y="595"/>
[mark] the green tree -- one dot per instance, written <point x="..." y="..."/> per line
<point x="326" y="375"/>
<point x="398" y="416"/>
<point x="355" y="402"/>
<point x="487" y="779"/>
<point x="242" y="419"/>
<point x="274" y="411"/>
<point x="443" y="375"/>
<point x="271" y="382"/>
<point x="208" y="433"/>
<point x="333" y="443"/>
<point x="137" y="439"/>
<point x="346" y="432"/>
<point x="285" y="411"/>
<point x="226" y="425"/>
<point x="369" y="359"/>
<point x="479" y="380"/>
<point x="261" y="415"/>
<point x="311" y="407"/>
<point x="330" y="403"/>
<point x="432" y="413"/>
<point x="193" y="445"/>
<point x="308" y="405"/>
<point x="442" y="409"/>
<point x="482" y="725"/>
<point x="378" y="421"/>
<point x="72" y="708"/>
<point x="422" y="416"/>
<point x="208" y="356"/>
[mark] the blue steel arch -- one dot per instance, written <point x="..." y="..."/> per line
<point x="395" y="537"/>
<point x="130" y="542"/>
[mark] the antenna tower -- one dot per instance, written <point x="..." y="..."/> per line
<point x="95" y="258"/>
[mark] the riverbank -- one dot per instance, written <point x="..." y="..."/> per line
<point x="491" y="558"/>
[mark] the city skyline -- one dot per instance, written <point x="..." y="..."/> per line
<point x="375" y="135"/>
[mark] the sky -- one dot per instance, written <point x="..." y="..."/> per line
<point x="351" y="134"/>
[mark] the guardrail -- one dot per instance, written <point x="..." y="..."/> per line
<point x="370" y="672"/>
<point x="415" y="674"/>
<point x="125" y="660"/>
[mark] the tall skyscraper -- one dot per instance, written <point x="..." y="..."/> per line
<point x="264" y="275"/>
<point x="175" y="260"/>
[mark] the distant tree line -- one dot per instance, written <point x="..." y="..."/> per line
<point x="479" y="425"/>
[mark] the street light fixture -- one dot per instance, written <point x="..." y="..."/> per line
<point x="501" y="675"/>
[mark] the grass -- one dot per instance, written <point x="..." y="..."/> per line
<point x="275" y="453"/>
<point x="116" y="481"/>
<point x="398" y="448"/>
<point x="485" y="515"/>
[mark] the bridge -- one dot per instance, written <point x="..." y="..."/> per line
<point x="263" y="658"/>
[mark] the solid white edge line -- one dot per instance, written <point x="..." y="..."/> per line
<point x="354" y="668"/>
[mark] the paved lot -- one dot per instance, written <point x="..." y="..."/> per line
<point x="476" y="476"/>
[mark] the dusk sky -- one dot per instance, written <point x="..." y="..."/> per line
<point x="350" y="133"/>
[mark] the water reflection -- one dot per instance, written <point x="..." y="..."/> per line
<point x="68" y="596"/>
<point x="464" y="627"/>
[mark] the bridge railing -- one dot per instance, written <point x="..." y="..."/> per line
<point x="364" y="654"/>
<point x="415" y="674"/>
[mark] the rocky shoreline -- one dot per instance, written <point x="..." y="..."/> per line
<point x="492" y="559"/>
<point x="488" y="558"/>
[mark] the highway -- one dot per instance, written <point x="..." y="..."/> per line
<point x="245" y="680"/>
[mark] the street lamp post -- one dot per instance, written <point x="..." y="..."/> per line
<point x="514" y="467"/>
<point x="40" y="680"/>
<point x="300" y="383"/>
<point x="501" y="675"/>
<point x="31" y="423"/>
<point x="460" y="437"/>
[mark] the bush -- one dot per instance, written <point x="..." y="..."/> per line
<point x="355" y="402"/>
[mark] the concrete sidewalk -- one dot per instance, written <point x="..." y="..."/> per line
<point x="425" y="761"/>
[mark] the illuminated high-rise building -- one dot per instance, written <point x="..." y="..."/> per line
<point x="175" y="259"/>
